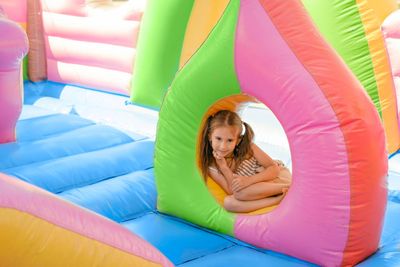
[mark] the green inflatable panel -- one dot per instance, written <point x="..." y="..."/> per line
<point x="159" y="49"/>
<point x="25" y="69"/>
<point x="208" y="77"/>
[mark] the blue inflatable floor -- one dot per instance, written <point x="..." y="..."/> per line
<point x="101" y="157"/>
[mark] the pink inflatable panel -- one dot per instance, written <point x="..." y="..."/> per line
<point x="71" y="7"/>
<point x="91" y="45"/>
<point x="131" y="10"/>
<point x="98" y="54"/>
<point x="13" y="48"/>
<point x="118" y="32"/>
<point x="95" y="77"/>
<point x="14" y="9"/>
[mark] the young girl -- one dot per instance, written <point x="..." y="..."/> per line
<point x="248" y="175"/>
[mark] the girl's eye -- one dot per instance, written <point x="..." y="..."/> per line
<point x="218" y="138"/>
<point x="230" y="140"/>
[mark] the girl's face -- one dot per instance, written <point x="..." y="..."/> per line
<point x="224" y="140"/>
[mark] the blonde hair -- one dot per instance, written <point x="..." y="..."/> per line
<point x="243" y="148"/>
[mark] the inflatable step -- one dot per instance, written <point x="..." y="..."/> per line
<point x="45" y="126"/>
<point x="121" y="198"/>
<point x="177" y="240"/>
<point x="65" y="173"/>
<point x="238" y="256"/>
<point x="82" y="140"/>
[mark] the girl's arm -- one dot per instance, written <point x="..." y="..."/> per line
<point x="220" y="179"/>
<point x="262" y="157"/>
<point x="270" y="172"/>
<point x="227" y="174"/>
<point x="224" y="170"/>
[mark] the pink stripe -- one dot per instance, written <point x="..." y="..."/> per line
<point x="94" y="29"/>
<point x="94" y="77"/>
<point x="129" y="10"/>
<point x="107" y="56"/>
<point x="13" y="47"/>
<point x="312" y="220"/>
<point x="21" y="196"/>
<point x="10" y="104"/>
<point x="70" y="7"/>
<point x="15" y="10"/>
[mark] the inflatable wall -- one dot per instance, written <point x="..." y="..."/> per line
<point x="98" y="52"/>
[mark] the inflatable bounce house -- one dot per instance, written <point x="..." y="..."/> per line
<point x="102" y="104"/>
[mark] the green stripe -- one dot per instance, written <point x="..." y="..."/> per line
<point x="25" y="68"/>
<point x="208" y="77"/>
<point x="340" y="23"/>
<point x="159" y="47"/>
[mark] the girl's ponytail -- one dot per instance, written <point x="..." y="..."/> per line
<point x="243" y="148"/>
<point x="206" y="156"/>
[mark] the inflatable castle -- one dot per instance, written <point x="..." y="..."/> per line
<point x="102" y="104"/>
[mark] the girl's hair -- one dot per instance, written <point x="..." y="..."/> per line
<point x="243" y="148"/>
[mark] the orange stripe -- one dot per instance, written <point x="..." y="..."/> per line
<point x="205" y="14"/>
<point x="383" y="74"/>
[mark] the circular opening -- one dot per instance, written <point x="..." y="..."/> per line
<point x="259" y="191"/>
<point x="269" y="134"/>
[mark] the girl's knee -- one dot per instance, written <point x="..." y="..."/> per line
<point x="241" y="195"/>
<point x="284" y="171"/>
<point x="230" y="203"/>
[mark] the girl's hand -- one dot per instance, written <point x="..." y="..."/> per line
<point x="221" y="161"/>
<point x="216" y="155"/>
<point x="239" y="182"/>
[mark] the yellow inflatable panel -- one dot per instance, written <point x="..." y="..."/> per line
<point x="41" y="245"/>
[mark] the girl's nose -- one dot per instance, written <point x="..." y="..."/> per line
<point x="223" y="145"/>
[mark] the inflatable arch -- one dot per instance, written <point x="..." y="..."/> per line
<point x="363" y="50"/>
<point x="336" y="139"/>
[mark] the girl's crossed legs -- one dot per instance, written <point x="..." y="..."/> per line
<point x="259" y="195"/>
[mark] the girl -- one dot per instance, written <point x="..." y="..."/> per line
<point x="248" y="175"/>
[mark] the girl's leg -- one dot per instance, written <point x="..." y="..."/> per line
<point x="234" y="205"/>
<point x="284" y="176"/>
<point x="260" y="190"/>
